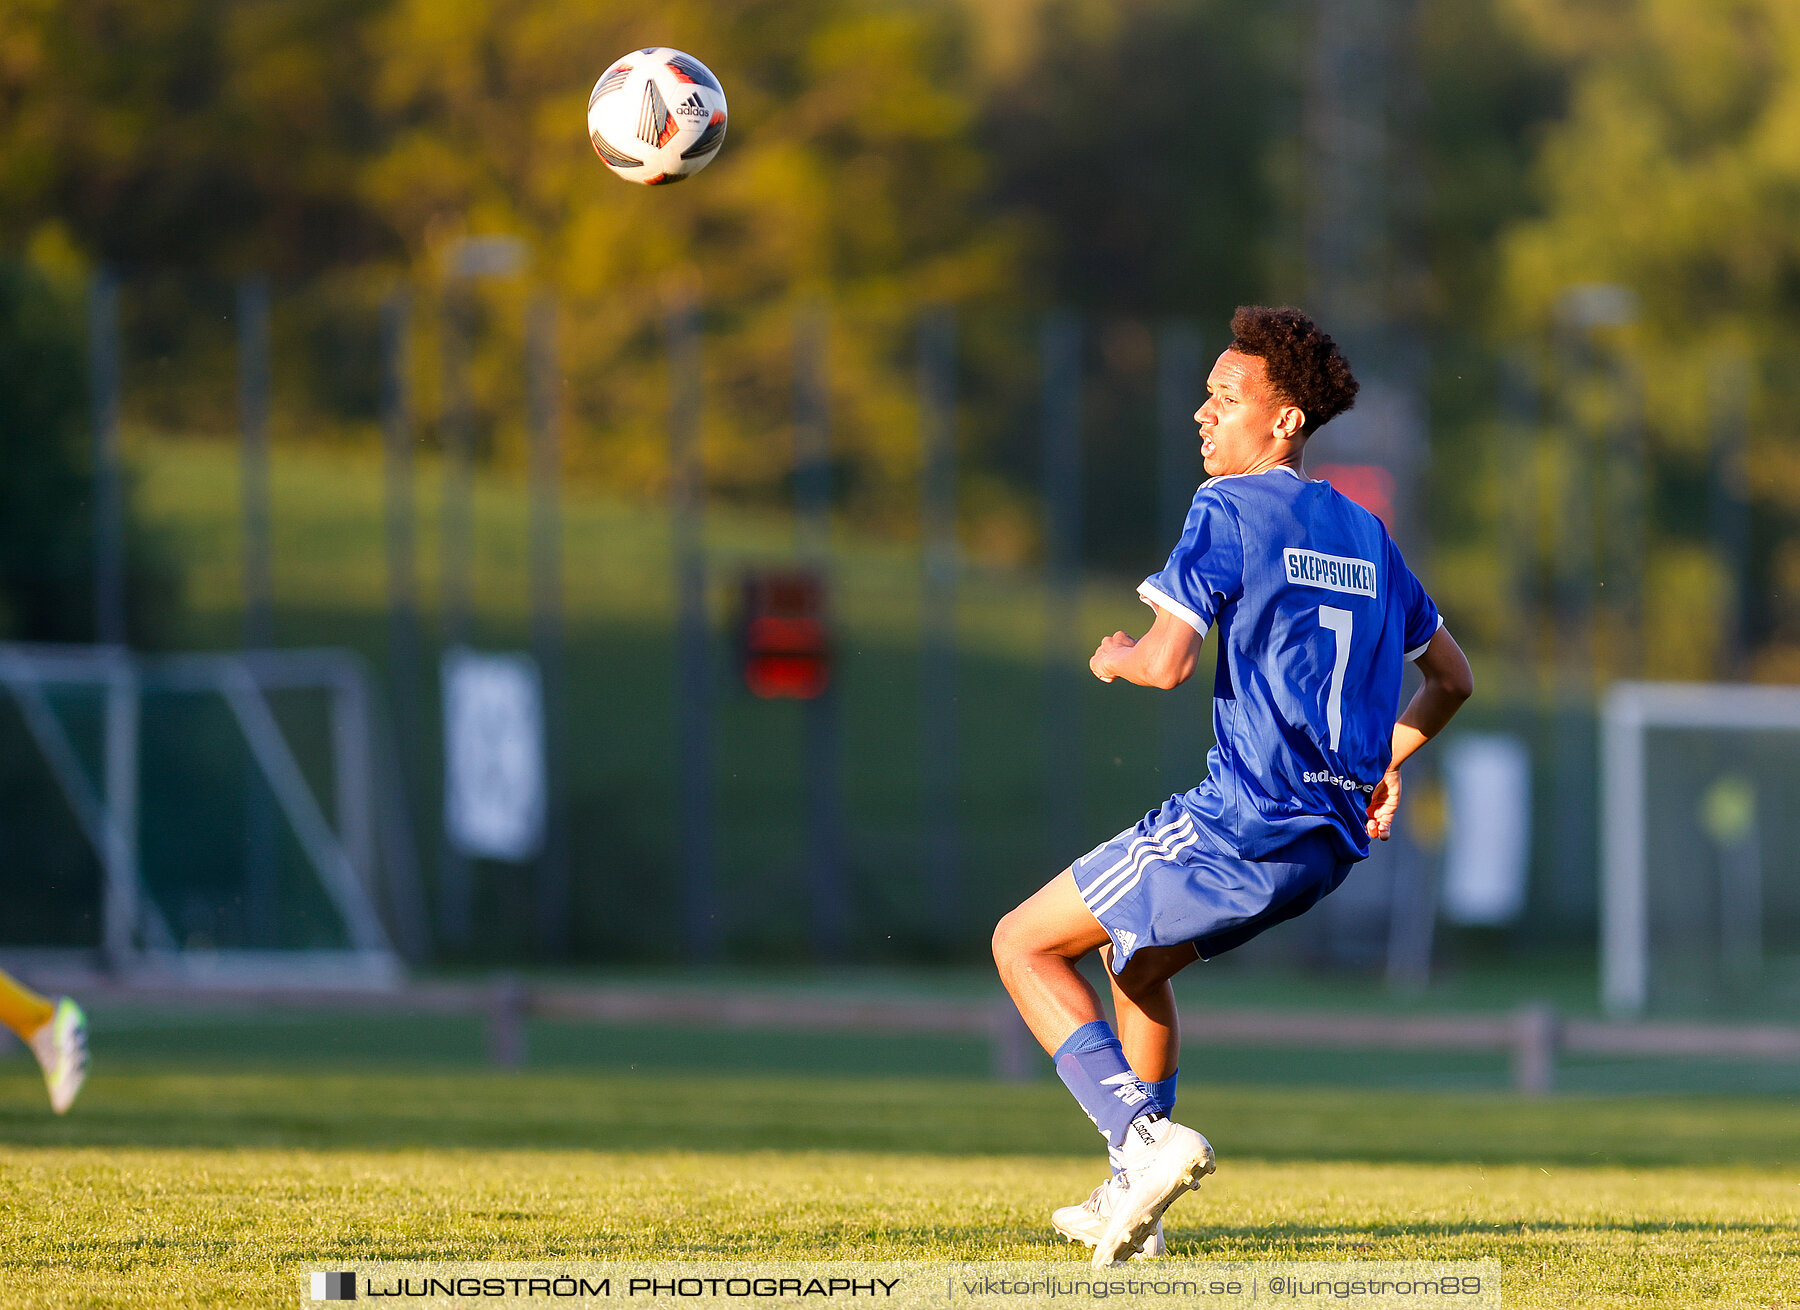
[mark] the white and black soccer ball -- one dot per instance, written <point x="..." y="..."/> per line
<point x="657" y="116"/>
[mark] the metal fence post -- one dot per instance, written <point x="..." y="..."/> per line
<point x="1012" y="1050"/>
<point x="1729" y="503"/>
<point x="1179" y="392"/>
<point x="262" y="879"/>
<point x="545" y="379"/>
<point x="456" y="423"/>
<point x="253" y="419"/>
<point x="109" y="484"/>
<point x="937" y="664"/>
<point x="1061" y="348"/>
<point x="353" y="770"/>
<point x="1537" y="1032"/>
<point x="509" y="1005"/>
<point x="399" y="530"/>
<point x="121" y="908"/>
<point x="1625" y="493"/>
<point x="812" y="485"/>
<point x="693" y="646"/>
<point x="405" y="668"/>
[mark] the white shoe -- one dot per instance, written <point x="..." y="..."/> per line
<point x="1154" y="1176"/>
<point x="61" y="1050"/>
<point x="1087" y="1221"/>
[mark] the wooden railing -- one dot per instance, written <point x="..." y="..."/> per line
<point x="1534" y="1037"/>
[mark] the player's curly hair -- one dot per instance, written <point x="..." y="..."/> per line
<point x="1306" y="368"/>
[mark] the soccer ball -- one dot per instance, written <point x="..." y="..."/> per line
<point x="657" y="116"/>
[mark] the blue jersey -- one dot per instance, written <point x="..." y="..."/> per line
<point x="1317" y="614"/>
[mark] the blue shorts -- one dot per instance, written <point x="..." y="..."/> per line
<point x="1171" y="880"/>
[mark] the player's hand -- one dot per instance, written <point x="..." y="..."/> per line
<point x="1383" y="803"/>
<point x="1101" y="662"/>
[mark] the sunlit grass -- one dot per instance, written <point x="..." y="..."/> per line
<point x="169" y="1188"/>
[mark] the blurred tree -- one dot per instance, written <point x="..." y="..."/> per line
<point x="1676" y="174"/>
<point x="298" y="139"/>
<point x="1142" y="136"/>
<point x="46" y="479"/>
<point x="216" y="134"/>
<point x="1134" y="159"/>
<point x="851" y="170"/>
<point x="46" y="560"/>
<point x="1489" y="94"/>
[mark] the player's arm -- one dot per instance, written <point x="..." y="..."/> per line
<point x="1448" y="683"/>
<point x="1163" y="657"/>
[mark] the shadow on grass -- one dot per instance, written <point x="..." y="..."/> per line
<point x="625" y="1113"/>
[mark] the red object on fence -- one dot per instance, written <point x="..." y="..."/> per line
<point x="1369" y="485"/>
<point x="783" y="642"/>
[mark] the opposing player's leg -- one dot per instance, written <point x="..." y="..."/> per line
<point x="56" y="1032"/>
<point x="21" y="1009"/>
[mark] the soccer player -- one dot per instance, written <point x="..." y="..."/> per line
<point x="1317" y="615"/>
<point x="56" y="1032"/>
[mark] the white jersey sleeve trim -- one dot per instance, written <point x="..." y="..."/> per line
<point x="1412" y="654"/>
<point x="1157" y="599"/>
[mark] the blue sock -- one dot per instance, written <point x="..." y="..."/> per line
<point x="1093" y="1068"/>
<point x="1163" y="1094"/>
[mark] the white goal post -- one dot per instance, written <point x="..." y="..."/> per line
<point x="1629" y="712"/>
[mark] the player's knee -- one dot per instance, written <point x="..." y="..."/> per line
<point x="1010" y="942"/>
<point x="1003" y="942"/>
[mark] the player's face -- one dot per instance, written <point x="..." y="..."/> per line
<point x="1240" y="420"/>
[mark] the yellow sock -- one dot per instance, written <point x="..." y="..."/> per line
<point x="22" y="1009"/>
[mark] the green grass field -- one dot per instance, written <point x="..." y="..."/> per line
<point x="213" y="1187"/>
<point x="215" y="1158"/>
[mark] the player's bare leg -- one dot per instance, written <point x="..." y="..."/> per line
<point x="1036" y="948"/>
<point x="1144" y="1008"/>
<point x="1144" y="1019"/>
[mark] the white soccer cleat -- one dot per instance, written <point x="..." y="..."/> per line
<point x="1087" y="1221"/>
<point x="1154" y="1177"/>
<point x="61" y="1050"/>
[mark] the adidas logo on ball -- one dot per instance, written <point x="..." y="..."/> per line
<point x="656" y="116"/>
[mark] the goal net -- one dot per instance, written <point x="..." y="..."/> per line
<point x="202" y="818"/>
<point x="1700" y="880"/>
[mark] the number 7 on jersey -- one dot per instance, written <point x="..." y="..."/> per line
<point x="1340" y="624"/>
